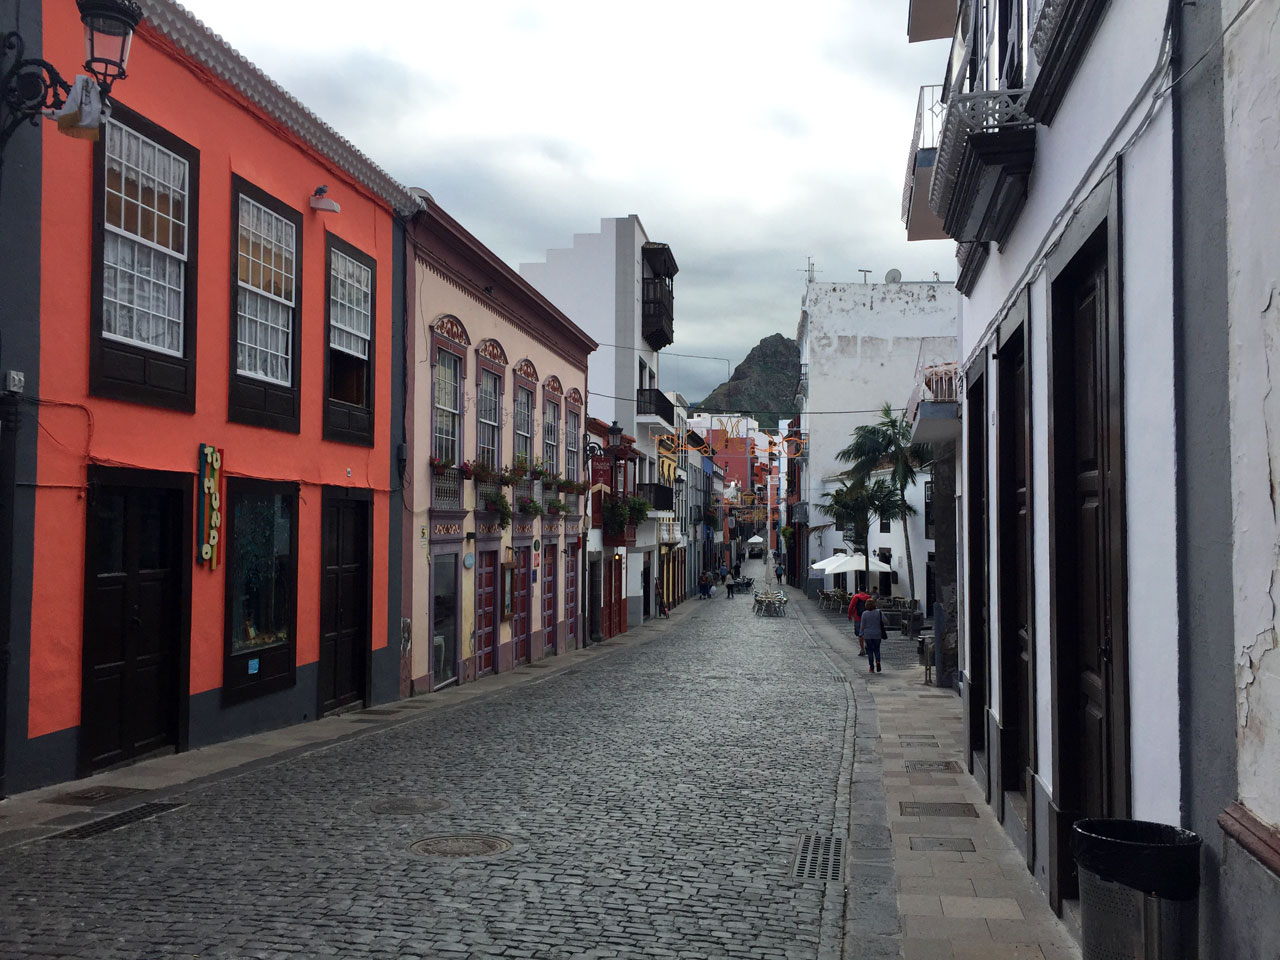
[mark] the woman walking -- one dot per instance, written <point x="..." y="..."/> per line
<point x="872" y="634"/>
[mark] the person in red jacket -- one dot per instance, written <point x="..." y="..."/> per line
<point x="857" y="604"/>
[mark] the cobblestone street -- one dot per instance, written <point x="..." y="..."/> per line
<point x="652" y="795"/>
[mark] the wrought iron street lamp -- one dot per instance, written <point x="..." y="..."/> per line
<point x="29" y="87"/>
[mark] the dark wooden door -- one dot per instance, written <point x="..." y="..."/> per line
<point x="619" y="597"/>
<point x="977" y="585"/>
<point x="132" y="623"/>
<point x="1016" y="644"/>
<point x="1090" y="563"/>
<point x="571" y="596"/>
<point x="549" y="611"/>
<point x="486" y="610"/>
<point x="344" y="602"/>
<point x="520" y="622"/>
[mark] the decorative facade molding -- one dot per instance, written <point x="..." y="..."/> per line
<point x="451" y="328"/>
<point x="492" y="351"/>
<point x="176" y="25"/>
<point x="553" y="386"/>
<point x="575" y="397"/>
<point x="1047" y="21"/>
<point x="986" y="111"/>
<point x="526" y="370"/>
<point x="1060" y="40"/>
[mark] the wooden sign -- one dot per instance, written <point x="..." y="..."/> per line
<point x="209" y="529"/>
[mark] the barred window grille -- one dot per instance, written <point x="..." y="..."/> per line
<point x="488" y="432"/>
<point x="264" y="313"/>
<point x="524" y="423"/>
<point x="350" y="305"/>
<point x="571" y="429"/>
<point x="551" y="436"/>
<point x="448" y="382"/>
<point x="145" y="242"/>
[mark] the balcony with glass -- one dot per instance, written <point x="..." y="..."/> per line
<point x="654" y="406"/>
<point x="921" y="222"/>
<point x="659" y="496"/>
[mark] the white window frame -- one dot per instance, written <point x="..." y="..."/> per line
<point x="489" y="418"/>
<point x="573" y="423"/>
<point x="524" y="423"/>
<point x="350" y="305"/>
<point x="276" y="309"/>
<point x="551" y="435"/>
<point x="447" y="398"/>
<point x="151" y="164"/>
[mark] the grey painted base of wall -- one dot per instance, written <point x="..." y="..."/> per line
<point x="211" y="722"/>
<point x="635" y="611"/>
<point x="42" y="761"/>
<point x="1239" y="920"/>
<point x="1040" y="797"/>
<point x="386" y="675"/>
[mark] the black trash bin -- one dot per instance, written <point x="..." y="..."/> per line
<point x="1139" y="890"/>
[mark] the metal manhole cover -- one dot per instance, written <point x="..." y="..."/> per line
<point x="951" y="844"/>
<point x="461" y="845"/>
<point x="406" y="806"/>
<point x="818" y="857"/>
<point x="914" y="808"/>
<point x="94" y="796"/>
<point x="932" y="766"/>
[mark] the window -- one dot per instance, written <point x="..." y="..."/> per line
<point x="551" y="436"/>
<point x="268" y="287"/>
<point x="489" y="419"/>
<point x="886" y="525"/>
<point x="928" y="510"/>
<point x="571" y="429"/>
<point x="261" y="584"/>
<point x="448" y="400"/>
<point x="348" y="412"/>
<point x="524" y="424"/>
<point x="145" y="262"/>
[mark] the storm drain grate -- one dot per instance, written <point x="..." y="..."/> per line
<point x="818" y="858"/>
<point x="838" y="677"/>
<point x="94" y="796"/>
<point x="915" y="808"/>
<point x="951" y="844"/>
<point x="932" y="766"/>
<point x="114" y="822"/>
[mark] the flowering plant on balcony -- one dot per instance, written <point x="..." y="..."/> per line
<point x="499" y="504"/>
<point x="479" y="471"/>
<point x="616" y="515"/>
<point x="637" y="510"/>
<point x="519" y="467"/>
<point x="556" y="507"/>
<point x="540" y="471"/>
<point x="509" y="476"/>
<point x="575" y="486"/>
<point x="553" y="481"/>
<point x="439" y="464"/>
<point x="528" y="506"/>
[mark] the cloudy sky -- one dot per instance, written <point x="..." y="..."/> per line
<point x="748" y="136"/>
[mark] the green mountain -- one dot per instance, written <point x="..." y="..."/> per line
<point x="763" y="385"/>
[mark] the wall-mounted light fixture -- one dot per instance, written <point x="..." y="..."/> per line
<point x="31" y="87"/>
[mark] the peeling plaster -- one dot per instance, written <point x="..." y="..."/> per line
<point x="1249" y="666"/>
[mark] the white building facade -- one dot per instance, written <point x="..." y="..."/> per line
<point x="617" y="285"/>
<point x="860" y="345"/>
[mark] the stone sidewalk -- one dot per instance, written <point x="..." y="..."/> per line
<point x="963" y="889"/>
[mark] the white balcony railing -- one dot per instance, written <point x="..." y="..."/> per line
<point x="937" y="374"/>
<point x="930" y="111"/>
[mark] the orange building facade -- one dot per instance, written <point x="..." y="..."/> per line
<point x="206" y="468"/>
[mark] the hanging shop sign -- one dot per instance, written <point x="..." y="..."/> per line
<point x="209" y="528"/>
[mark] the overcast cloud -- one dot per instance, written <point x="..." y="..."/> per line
<point x="747" y="136"/>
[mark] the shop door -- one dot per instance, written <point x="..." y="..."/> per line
<point x="344" y="602"/>
<point x="520" y="625"/>
<point x="1090" y="567"/>
<point x="1015" y="573"/>
<point x="132" y="623"/>
<point x="445" y="619"/>
<point x="549" y="624"/>
<point x="645" y="575"/>
<point x="486" y="610"/>
<point x="571" y="596"/>
<point x="977" y="582"/>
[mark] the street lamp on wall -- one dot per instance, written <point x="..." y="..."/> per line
<point x="29" y="87"/>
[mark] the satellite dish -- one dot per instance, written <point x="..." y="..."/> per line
<point x="893" y="276"/>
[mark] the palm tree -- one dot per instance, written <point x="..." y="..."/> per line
<point x="886" y="445"/>
<point x="857" y="504"/>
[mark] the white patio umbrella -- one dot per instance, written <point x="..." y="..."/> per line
<point x="823" y="564"/>
<point x="756" y="539"/>
<point x="857" y="561"/>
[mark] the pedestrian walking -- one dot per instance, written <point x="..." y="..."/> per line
<point x="737" y="569"/>
<point x="704" y="585"/>
<point x="724" y="572"/>
<point x="857" y="604"/>
<point x="872" y="634"/>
